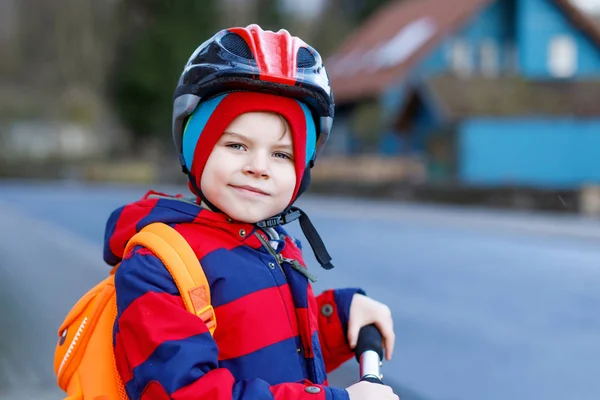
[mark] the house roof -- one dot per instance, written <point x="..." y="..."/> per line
<point x="512" y="96"/>
<point x="581" y="20"/>
<point x="389" y="45"/>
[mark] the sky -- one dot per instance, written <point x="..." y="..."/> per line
<point x="588" y="5"/>
<point x="306" y="8"/>
<point x="309" y="8"/>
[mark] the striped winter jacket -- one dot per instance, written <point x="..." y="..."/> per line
<point x="274" y="338"/>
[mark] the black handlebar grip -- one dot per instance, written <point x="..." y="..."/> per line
<point x="372" y="379"/>
<point x="369" y="338"/>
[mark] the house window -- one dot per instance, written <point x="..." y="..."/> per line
<point x="489" y="58"/>
<point x="562" y="56"/>
<point x="460" y="57"/>
<point x="511" y="59"/>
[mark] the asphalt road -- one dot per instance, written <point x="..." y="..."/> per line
<point x="488" y="305"/>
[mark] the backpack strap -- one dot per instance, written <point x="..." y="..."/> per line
<point x="183" y="265"/>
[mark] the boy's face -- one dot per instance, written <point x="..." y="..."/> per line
<point x="250" y="174"/>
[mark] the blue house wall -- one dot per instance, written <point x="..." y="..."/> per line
<point x="544" y="152"/>
<point x="495" y="23"/>
<point x="541" y="151"/>
<point x="427" y="117"/>
<point x="394" y="142"/>
<point x="522" y="31"/>
<point x="538" y="23"/>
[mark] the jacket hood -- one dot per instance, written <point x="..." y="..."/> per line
<point x="124" y="222"/>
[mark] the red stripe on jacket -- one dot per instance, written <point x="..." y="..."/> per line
<point x="156" y="315"/>
<point x="236" y="340"/>
<point x="126" y="225"/>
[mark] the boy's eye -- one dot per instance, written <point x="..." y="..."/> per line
<point x="283" y="155"/>
<point x="237" y="146"/>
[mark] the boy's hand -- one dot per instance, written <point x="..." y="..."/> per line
<point x="370" y="391"/>
<point x="365" y="311"/>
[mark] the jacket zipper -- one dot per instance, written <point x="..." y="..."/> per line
<point x="298" y="267"/>
<point x="271" y="251"/>
<point x="279" y="260"/>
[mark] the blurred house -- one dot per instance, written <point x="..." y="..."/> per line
<point x="497" y="93"/>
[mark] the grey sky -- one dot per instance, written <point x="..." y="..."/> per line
<point x="588" y="5"/>
<point x="311" y="7"/>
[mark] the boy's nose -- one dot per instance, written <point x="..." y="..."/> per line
<point x="258" y="166"/>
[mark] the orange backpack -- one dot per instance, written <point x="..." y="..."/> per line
<point x="84" y="361"/>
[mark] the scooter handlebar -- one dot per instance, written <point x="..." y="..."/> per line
<point x="369" y="353"/>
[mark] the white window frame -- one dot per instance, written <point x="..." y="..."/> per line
<point x="562" y="56"/>
<point x="489" y="58"/>
<point x="461" y="57"/>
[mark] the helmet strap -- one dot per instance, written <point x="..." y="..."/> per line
<point x="315" y="241"/>
<point x="308" y="229"/>
<point x="199" y="193"/>
<point x="290" y="214"/>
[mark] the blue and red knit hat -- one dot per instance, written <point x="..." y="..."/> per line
<point x="211" y="117"/>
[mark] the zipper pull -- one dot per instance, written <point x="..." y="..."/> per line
<point x="300" y="268"/>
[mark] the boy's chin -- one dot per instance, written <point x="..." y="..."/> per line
<point x="249" y="216"/>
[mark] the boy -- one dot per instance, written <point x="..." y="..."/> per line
<point x="251" y="111"/>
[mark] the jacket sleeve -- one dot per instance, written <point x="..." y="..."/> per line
<point x="334" y="312"/>
<point x="164" y="352"/>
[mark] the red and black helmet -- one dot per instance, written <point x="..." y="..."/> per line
<point x="251" y="59"/>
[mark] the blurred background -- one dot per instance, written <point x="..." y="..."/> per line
<point x="463" y="169"/>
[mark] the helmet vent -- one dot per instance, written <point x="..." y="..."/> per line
<point x="237" y="45"/>
<point x="305" y="58"/>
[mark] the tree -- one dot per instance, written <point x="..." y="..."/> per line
<point x="268" y="15"/>
<point x="339" y="19"/>
<point x="363" y="9"/>
<point x="156" y="39"/>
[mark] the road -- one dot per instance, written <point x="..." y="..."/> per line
<point x="487" y="304"/>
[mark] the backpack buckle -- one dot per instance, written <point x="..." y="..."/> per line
<point x="207" y="314"/>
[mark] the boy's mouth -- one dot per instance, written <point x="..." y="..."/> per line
<point x="250" y="189"/>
